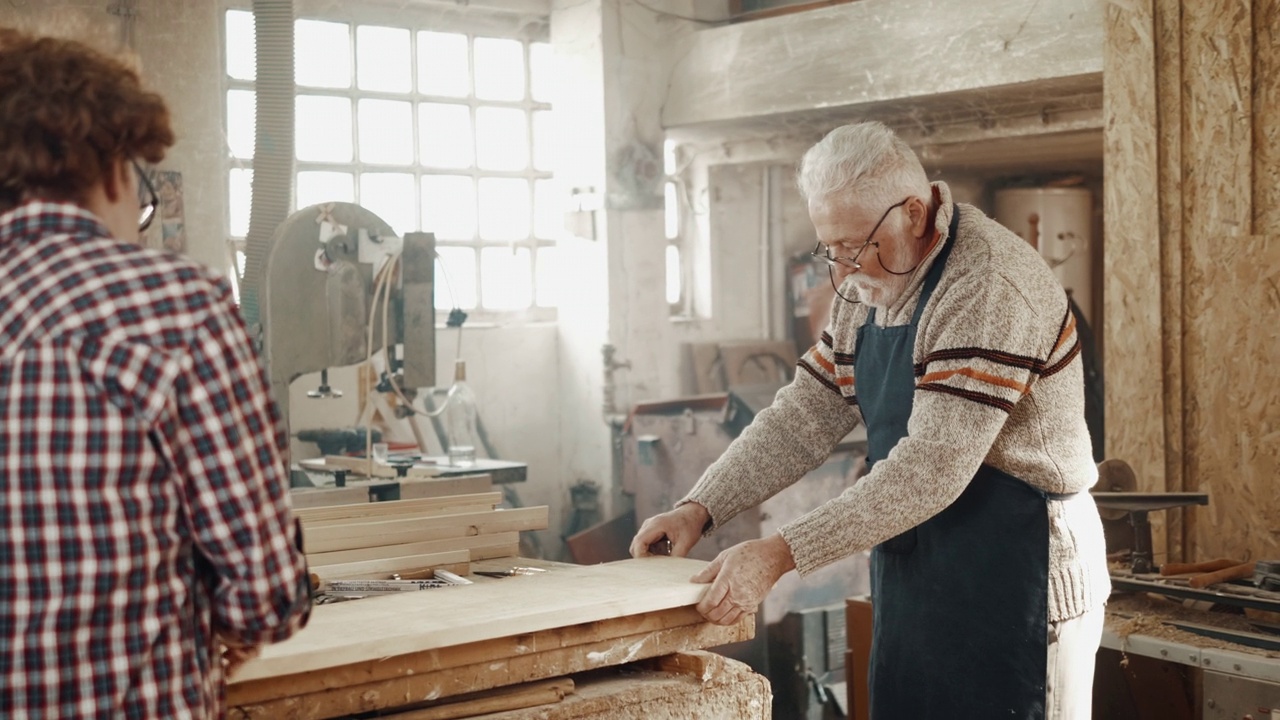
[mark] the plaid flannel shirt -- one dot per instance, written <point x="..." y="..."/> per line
<point x="143" y="479"/>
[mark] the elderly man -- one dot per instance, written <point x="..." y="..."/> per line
<point x="144" y="521"/>
<point x="953" y="342"/>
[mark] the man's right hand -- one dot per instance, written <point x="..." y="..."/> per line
<point x="682" y="526"/>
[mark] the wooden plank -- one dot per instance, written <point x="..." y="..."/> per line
<point x="352" y="632"/>
<point x="249" y="692"/>
<point x="482" y="547"/>
<point x="330" y="538"/>
<point x="795" y="64"/>
<point x="491" y="701"/>
<point x="1133" y="319"/>
<point x="400" y="507"/>
<point x="340" y="702"/>
<point x="412" y="488"/>
<point x="307" y="498"/>
<point x="375" y="569"/>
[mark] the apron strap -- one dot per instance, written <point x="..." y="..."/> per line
<point x="939" y="264"/>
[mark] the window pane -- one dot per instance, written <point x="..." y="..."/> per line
<point x="386" y="132"/>
<point x="322" y="54"/>
<point x="548" y="277"/>
<point x="456" y="285"/>
<point x="502" y="139"/>
<point x="499" y="69"/>
<point x="324" y="128"/>
<point x="392" y="197"/>
<point x="672" y="210"/>
<point x="504" y="209"/>
<point x="241" y="194"/>
<point x="547" y="210"/>
<point x="506" y="278"/>
<point x="315" y="188"/>
<point x="543" y="140"/>
<point x="242" y="59"/>
<point x="444" y="133"/>
<point x="673" y="275"/>
<point x="442" y="64"/>
<point x="540" y="71"/>
<point x="449" y="206"/>
<point x="382" y="59"/>
<point x="241" y="118"/>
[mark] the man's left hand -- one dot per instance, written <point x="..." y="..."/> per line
<point x="741" y="576"/>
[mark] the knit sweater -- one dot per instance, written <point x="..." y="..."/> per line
<point x="998" y="381"/>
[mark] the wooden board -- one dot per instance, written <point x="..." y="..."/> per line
<point x="482" y="547"/>
<point x="376" y="569"/>
<point x="381" y="627"/>
<point x="383" y="510"/>
<point x="303" y="498"/>
<point x="491" y="701"/>
<point x="330" y="538"/>
<point x="411" y="488"/>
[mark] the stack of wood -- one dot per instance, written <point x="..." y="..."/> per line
<point x="428" y="653"/>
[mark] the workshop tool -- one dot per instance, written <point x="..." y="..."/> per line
<point x="1138" y="505"/>
<point x="1235" y="572"/>
<point x="1266" y="575"/>
<point x="366" y="588"/>
<point x="509" y="572"/>
<point x="317" y="291"/>
<point x="1201" y="567"/>
<point x="338" y="441"/>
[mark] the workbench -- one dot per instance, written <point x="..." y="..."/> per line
<point x="1146" y="670"/>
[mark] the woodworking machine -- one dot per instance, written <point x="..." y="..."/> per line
<point x="318" y="298"/>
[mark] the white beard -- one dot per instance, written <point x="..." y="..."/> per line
<point x="881" y="293"/>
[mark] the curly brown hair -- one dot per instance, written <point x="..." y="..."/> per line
<point x="68" y="114"/>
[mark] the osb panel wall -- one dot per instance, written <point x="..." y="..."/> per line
<point x="1215" y="156"/>
<point x="1131" y="260"/>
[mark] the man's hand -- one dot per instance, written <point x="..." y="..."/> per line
<point x="682" y="526"/>
<point x="234" y="656"/>
<point x="741" y="576"/>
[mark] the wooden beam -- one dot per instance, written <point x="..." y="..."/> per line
<point x="804" y="62"/>
<point x="304" y="498"/>
<point x="500" y="672"/>
<point x="425" y="506"/>
<point x="330" y="538"/>
<point x="482" y="547"/>
<point x="439" y="487"/>
<point x="373" y="628"/>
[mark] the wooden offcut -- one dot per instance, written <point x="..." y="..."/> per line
<point x="377" y="533"/>
<point x="386" y="510"/>
<point x="481" y="547"/>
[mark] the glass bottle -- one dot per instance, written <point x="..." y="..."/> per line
<point x="460" y="419"/>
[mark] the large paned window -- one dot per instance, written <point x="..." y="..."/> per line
<point x="436" y="131"/>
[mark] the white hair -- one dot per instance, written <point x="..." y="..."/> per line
<point x="865" y="161"/>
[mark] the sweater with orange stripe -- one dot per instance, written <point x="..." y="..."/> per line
<point x="998" y="381"/>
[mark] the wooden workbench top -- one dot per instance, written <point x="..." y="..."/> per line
<point x="381" y="627"/>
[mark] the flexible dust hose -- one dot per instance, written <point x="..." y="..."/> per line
<point x="273" y="144"/>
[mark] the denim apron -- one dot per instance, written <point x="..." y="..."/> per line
<point x="960" y="602"/>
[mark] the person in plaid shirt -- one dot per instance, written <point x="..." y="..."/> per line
<point x="146" y="540"/>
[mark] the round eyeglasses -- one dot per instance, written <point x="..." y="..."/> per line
<point x="150" y="203"/>
<point x="822" y="253"/>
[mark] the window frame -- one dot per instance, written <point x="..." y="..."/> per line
<point x="472" y="24"/>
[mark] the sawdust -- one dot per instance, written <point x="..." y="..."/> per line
<point x="1145" y="615"/>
